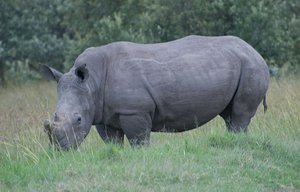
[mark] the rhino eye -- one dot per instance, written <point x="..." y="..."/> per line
<point x="78" y="120"/>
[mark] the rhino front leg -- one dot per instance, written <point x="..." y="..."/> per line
<point x="110" y="135"/>
<point x="137" y="128"/>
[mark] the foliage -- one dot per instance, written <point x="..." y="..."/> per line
<point x="30" y="34"/>
<point x="55" y="32"/>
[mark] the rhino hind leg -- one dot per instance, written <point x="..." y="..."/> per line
<point x="237" y="115"/>
<point x="226" y="115"/>
<point x="242" y="108"/>
<point x="110" y="135"/>
<point x="137" y="128"/>
<point x="236" y="121"/>
<point x="251" y="91"/>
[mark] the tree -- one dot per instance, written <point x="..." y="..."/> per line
<point x="30" y="34"/>
<point x="56" y="32"/>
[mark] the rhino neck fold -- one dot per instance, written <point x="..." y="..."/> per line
<point x="99" y="93"/>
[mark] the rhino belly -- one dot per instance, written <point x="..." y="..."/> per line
<point x="188" y="115"/>
<point x="188" y="94"/>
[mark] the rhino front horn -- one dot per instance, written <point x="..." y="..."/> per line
<point x="48" y="130"/>
<point x="47" y="126"/>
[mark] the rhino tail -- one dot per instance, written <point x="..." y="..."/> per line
<point x="265" y="104"/>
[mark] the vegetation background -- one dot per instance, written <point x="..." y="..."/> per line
<point x="206" y="159"/>
<point x="55" y="32"/>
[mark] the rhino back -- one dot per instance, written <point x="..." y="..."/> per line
<point x="183" y="84"/>
<point x="164" y="52"/>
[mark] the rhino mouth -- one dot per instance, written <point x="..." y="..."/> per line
<point x="63" y="142"/>
<point x="65" y="146"/>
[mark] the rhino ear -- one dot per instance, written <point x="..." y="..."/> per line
<point x="82" y="73"/>
<point x="50" y="73"/>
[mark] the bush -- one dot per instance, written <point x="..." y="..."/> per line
<point x="19" y="72"/>
<point x="56" y="32"/>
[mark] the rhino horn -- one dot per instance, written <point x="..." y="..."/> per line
<point x="48" y="129"/>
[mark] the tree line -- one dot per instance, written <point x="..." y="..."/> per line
<point x="54" y="32"/>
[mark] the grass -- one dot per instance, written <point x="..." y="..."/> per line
<point x="205" y="159"/>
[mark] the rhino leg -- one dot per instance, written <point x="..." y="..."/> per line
<point x="110" y="135"/>
<point x="226" y="115"/>
<point x="137" y="128"/>
<point x="239" y="123"/>
<point x="251" y="91"/>
<point x="236" y="122"/>
<point x="242" y="108"/>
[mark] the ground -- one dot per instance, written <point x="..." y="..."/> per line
<point x="205" y="159"/>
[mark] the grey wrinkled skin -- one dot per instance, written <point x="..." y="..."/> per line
<point x="132" y="89"/>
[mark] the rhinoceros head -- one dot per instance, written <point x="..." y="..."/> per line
<point x="73" y="117"/>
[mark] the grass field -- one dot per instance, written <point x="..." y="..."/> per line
<point x="205" y="159"/>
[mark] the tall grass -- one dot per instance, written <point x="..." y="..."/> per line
<point x="205" y="159"/>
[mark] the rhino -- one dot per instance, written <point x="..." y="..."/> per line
<point x="132" y="89"/>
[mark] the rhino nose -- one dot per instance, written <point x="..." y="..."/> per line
<point x="58" y="133"/>
<point x="58" y="117"/>
<point x="55" y="117"/>
<point x="51" y="128"/>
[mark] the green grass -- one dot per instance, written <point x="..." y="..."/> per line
<point x="205" y="159"/>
